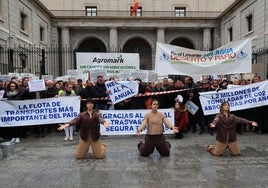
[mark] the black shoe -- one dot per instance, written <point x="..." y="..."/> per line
<point x="179" y="136"/>
<point x="201" y="132"/>
<point x="210" y="132"/>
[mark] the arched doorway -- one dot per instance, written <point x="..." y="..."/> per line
<point x="91" y="45"/>
<point x="138" y="45"/>
<point x="183" y="43"/>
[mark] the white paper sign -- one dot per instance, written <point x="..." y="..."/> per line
<point x="37" y="85"/>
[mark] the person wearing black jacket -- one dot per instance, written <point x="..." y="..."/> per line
<point x="87" y="92"/>
<point x="138" y="102"/>
<point x="192" y="94"/>
<point x="50" y="92"/>
<point x="101" y="93"/>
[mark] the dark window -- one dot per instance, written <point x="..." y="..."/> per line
<point x="23" y="18"/>
<point x="42" y="33"/>
<point x="230" y="31"/>
<point x="91" y="11"/>
<point x="249" y="23"/>
<point x="180" y="11"/>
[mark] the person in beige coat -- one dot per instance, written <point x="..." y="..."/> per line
<point x="154" y="137"/>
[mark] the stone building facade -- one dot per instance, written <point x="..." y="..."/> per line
<point x="109" y="26"/>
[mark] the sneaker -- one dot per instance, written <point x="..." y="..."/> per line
<point x="66" y="138"/>
<point x="17" y="140"/>
<point x="71" y="139"/>
<point x="13" y="140"/>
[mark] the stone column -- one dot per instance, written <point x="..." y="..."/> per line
<point x="113" y="40"/>
<point x="206" y="39"/>
<point x="65" y="43"/>
<point x="161" y="35"/>
<point x="159" y="38"/>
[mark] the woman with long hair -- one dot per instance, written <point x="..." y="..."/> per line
<point x="226" y="137"/>
<point x="181" y="118"/>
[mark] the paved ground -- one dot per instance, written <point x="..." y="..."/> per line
<point x="49" y="162"/>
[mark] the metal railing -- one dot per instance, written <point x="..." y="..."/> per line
<point x="147" y="14"/>
<point x="35" y="60"/>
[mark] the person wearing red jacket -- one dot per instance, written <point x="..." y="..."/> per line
<point x="180" y="118"/>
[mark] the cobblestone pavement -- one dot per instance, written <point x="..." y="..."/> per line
<point x="50" y="162"/>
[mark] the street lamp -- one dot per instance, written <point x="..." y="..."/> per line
<point x="23" y="57"/>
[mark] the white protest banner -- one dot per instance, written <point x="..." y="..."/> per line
<point x="126" y="75"/>
<point x="126" y="122"/>
<point x="229" y="86"/>
<point x="152" y="76"/>
<point x="112" y="63"/>
<point x="121" y="90"/>
<point x="72" y="72"/>
<point x="29" y="75"/>
<point x="141" y="74"/>
<point x="47" y="77"/>
<point x="38" y="111"/>
<point x="62" y="78"/>
<point x="37" y="85"/>
<point x="5" y="77"/>
<point x="2" y="92"/>
<point x="234" y="57"/>
<point x="244" y="97"/>
<point x="97" y="72"/>
<point x="12" y="74"/>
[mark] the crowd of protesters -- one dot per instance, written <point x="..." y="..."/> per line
<point x="16" y="89"/>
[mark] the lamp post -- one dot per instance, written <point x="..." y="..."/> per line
<point x="23" y="57"/>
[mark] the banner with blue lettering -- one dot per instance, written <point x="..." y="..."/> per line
<point x="232" y="58"/>
<point x="38" y="111"/>
<point x="244" y="97"/>
<point x="126" y="122"/>
<point x="121" y="90"/>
